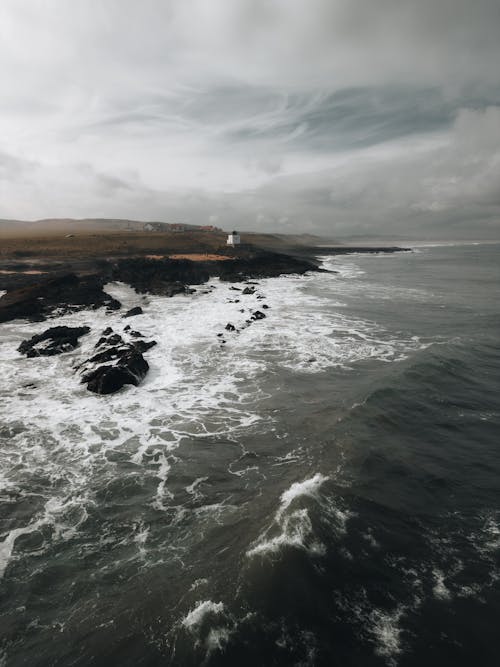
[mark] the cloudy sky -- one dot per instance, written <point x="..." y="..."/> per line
<point x="345" y="117"/>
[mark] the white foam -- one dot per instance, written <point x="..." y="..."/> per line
<point x="309" y="487"/>
<point x="7" y="546"/>
<point x="217" y="639"/>
<point x="295" y="527"/>
<point x="196" y="387"/>
<point x="193" y="620"/>
<point x="387" y="632"/>
<point x="296" y="531"/>
<point x="439" y="589"/>
<point x="491" y="532"/>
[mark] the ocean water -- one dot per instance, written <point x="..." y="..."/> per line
<point x="320" y="489"/>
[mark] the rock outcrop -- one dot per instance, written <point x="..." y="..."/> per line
<point x="115" y="364"/>
<point x="55" y="340"/>
<point x="56" y="296"/>
<point x="165" y="277"/>
<point x="262" y="264"/>
<point x="137" y="310"/>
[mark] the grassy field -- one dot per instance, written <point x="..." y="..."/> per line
<point x="82" y="245"/>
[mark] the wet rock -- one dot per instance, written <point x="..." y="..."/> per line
<point x="249" y="290"/>
<point x="58" y="295"/>
<point x="143" y="346"/>
<point x="107" y="379"/>
<point x="265" y="306"/>
<point x="116" y="364"/>
<point x="257" y="263"/>
<point x="55" y="340"/>
<point x="230" y="327"/>
<point x="236" y="289"/>
<point x="137" y="310"/>
<point x="166" y="277"/>
<point x="107" y="339"/>
<point x="258" y="315"/>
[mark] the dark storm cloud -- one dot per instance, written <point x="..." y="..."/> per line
<point x="377" y="116"/>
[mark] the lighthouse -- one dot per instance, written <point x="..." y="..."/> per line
<point x="233" y="239"/>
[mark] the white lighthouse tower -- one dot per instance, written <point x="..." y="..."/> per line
<point x="233" y="239"/>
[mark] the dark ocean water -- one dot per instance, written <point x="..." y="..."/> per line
<point x="324" y="489"/>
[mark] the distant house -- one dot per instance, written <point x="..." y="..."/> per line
<point x="233" y="239"/>
<point x="177" y="228"/>
<point x="153" y="227"/>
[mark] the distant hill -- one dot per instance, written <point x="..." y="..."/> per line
<point x="72" y="225"/>
<point x="48" y="226"/>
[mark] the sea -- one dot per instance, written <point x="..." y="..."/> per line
<point x="319" y="487"/>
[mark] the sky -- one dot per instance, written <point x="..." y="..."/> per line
<point x="334" y="117"/>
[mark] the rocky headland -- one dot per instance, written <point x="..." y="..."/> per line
<point x="118" y="359"/>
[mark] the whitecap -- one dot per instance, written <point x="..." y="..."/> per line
<point x="194" y="619"/>
<point x="295" y="528"/>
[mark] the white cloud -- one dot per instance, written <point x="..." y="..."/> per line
<point x="364" y="113"/>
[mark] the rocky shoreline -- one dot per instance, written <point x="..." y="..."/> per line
<point x="38" y="297"/>
<point x="118" y="359"/>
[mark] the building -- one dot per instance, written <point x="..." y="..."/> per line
<point x="233" y="239"/>
<point x="154" y="227"/>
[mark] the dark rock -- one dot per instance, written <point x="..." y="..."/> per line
<point x="236" y="289"/>
<point x="117" y="364"/>
<point x="258" y="315"/>
<point x="61" y="294"/>
<point x="249" y="290"/>
<point x="167" y="289"/>
<point x="143" y="346"/>
<point x="165" y="277"/>
<point x="230" y="327"/>
<point x="107" y="331"/>
<point x="263" y="264"/>
<point x="55" y="340"/>
<point x="136" y="334"/>
<point x="115" y="339"/>
<point x="110" y="354"/>
<point x="137" y="310"/>
<point x="109" y="379"/>
<point x="265" y="306"/>
<point x="106" y="339"/>
<point x="113" y="305"/>
<point x="220" y="335"/>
